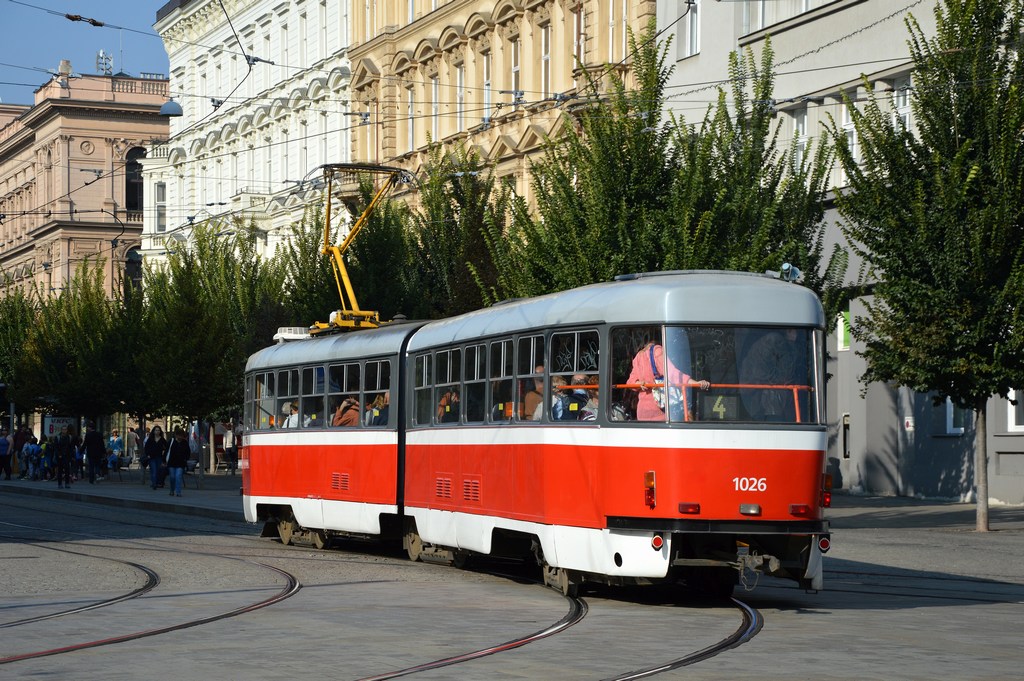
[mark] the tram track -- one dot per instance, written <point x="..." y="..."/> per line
<point x="290" y="588"/>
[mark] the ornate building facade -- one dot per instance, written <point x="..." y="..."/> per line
<point x="70" y="177"/>
<point x="491" y="76"/>
<point x="263" y="88"/>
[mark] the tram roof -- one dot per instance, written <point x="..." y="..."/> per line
<point x="688" y="297"/>
<point x="386" y="340"/>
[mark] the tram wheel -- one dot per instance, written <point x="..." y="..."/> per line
<point x="561" y="580"/>
<point x="285" y="530"/>
<point x="321" y="540"/>
<point x="413" y="544"/>
<point x="460" y="559"/>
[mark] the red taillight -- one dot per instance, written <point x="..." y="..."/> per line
<point x="824" y="544"/>
<point x="657" y="542"/>
<point x="800" y="509"/>
<point x="689" y="507"/>
<point x="650" y="494"/>
<point x="826" y="499"/>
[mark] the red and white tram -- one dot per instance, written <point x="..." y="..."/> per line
<point x="524" y="429"/>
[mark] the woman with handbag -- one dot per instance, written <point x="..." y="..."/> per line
<point x="154" y="449"/>
<point x="177" y="458"/>
<point x="649" y="373"/>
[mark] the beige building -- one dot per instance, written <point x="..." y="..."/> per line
<point x="70" y="176"/>
<point x="494" y="76"/>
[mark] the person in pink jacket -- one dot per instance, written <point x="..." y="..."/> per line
<point x="648" y="369"/>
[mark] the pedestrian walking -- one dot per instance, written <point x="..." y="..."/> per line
<point x="94" y="452"/>
<point x="63" y="453"/>
<point x="131" y="445"/>
<point x="154" y="453"/>
<point x="177" y="459"/>
<point x="6" y="450"/>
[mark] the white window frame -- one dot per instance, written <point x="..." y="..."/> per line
<point x="435" y="109"/>
<point x="951" y="413"/>
<point x="1012" y="424"/>
<point x="410" y="117"/>
<point x="901" y="100"/>
<point x="850" y="131"/>
<point x="460" y="97"/>
<point x="545" y="60"/>
<point x="514" y="56"/>
<point x="690" y="39"/>
<point x="800" y="134"/>
<point x="843" y="331"/>
<point x="487" y="85"/>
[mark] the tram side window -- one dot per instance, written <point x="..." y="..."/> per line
<point x="475" y="383"/>
<point x="574" y="365"/>
<point x="312" y="407"/>
<point x="447" y="397"/>
<point x="627" y="343"/>
<point x="288" y="398"/>
<point x="530" y="377"/>
<point x="502" y="382"/>
<point x="264" y="402"/>
<point x="247" y="404"/>
<point x="377" y="393"/>
<point x="423" y="384"/>
<point x="343" y="395"/>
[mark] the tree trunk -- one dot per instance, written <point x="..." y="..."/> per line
<point x="981" y="468"/>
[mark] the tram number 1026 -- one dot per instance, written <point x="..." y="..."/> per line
<point x="750" y="484"/>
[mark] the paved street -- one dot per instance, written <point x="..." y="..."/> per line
<point x="911" y="593"/>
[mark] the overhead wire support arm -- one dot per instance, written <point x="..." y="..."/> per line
<point x="350" y="316"/>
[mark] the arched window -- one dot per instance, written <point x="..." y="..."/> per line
<point x="133" y="179"/>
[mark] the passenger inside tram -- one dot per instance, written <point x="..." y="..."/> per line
<point x="346" y="413"/>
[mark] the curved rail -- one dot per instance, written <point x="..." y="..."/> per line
<point x="577" y="611"/>
<point x="751" y="625"/>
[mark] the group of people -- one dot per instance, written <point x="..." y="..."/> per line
<point x="348" y="412"/>
<point x="65" y="456"/>
<point x="166" y="459"/>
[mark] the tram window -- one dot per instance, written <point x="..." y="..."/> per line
<point x="343" y="383"/>
<point x="264" y="402"/>
<point x="502" y="382"/>
<point x="288" y="398"/>
<point x="756" y="374"/>
<point x="447" y="389"/>
<point x="423" y="383"/>
<point x="575" y="358"/>
<point x="312" y="408"/>
<point x="627" y="343"/>
<point x="474" y="391"/>
<point x="247" y="403"/>
<point x="530" y="377"/>
<point x="377" y="393"/>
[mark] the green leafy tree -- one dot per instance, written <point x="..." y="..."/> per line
<point x="936" y="213"/>
<point x="453" y="262"/>
<point x="191" y="351"/>
<point x="741" y="201"/>
<point x="17" y="317"/>
<point x="380" y="260"/>
<point x="72" y="351"/>
<point x="623" y="189"/>
<point x="311" y="291"/>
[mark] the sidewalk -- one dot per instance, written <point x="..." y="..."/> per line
<point x="219" y="495"/>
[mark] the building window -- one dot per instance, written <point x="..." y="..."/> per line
<point x="850" y="132"/>
<point x="843" y="331"/>
<point x="435" y="109"/>
<point x="410" y="118"/>
<point x="800" y="136"/>
<point x="514" y="60"/>
<point x="1015" y="417"/>
<point x="410" y="11"/>
<point x="460" y="97"/>
<point x="689" y="41"/>
<point x="901" y="101"/>
<point x="161" y="206"/>
<point x="545" y="60"/>
<point x="578" y="40"/>
<point x="487" y="86"/>
<point x="956" y="417"/>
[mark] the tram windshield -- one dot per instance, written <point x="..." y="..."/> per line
<point x="716" y="374"/>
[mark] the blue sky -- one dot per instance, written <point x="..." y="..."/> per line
<point x="32" y="38"/>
